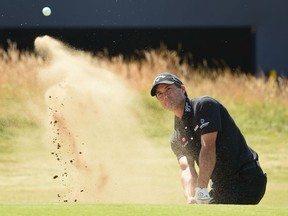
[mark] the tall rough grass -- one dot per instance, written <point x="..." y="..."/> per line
<point x="19" y="76"/>
<point x="220" y="82"/>
<point x="19" y="81"/>
<point x="18" y="72"/>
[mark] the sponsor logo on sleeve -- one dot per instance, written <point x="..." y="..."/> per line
<point x="203" y="123"/>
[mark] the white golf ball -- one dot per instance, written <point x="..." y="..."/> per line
<point x="46" y="11"/>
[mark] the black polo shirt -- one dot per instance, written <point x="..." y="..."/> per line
<point x="204" y="115"/>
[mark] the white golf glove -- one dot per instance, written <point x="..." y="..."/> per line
<point x="202" y="196"/>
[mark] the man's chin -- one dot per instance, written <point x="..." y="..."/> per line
<point x="169" y="108"/>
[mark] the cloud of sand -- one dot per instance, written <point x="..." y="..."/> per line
<point x="102" y="155"/>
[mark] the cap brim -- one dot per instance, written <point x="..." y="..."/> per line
<point x="154" y="88"/>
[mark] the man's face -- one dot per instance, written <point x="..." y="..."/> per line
<point x="171" y="97"/>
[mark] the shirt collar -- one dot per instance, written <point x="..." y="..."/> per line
<point x="187" y="110"/>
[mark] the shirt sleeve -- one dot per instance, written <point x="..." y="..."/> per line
<point x="208" y="115"/>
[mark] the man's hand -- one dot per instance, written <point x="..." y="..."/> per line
<point x="202" y="196"/>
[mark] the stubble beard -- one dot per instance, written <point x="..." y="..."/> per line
<point x="172" y="105"/>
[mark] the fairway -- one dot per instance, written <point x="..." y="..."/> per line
<point x="138" y="210"/>
<point x="80" y="134"/>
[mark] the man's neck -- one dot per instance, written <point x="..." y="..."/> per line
<point x="180" y="109"/>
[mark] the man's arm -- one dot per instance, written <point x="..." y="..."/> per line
<point x="207" y="158"/>
<point x="188" y="178"/>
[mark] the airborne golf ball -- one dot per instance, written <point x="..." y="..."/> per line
<point x="46" y="11"/>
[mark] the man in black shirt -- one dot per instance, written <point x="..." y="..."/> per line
<point x="205" y="133"/>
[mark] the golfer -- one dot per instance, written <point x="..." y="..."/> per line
<point x="205" y="134"/>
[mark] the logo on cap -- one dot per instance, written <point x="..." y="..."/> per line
<point x="158" y="78"/>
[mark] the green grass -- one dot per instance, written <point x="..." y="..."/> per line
<point x="138" y="210"/>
